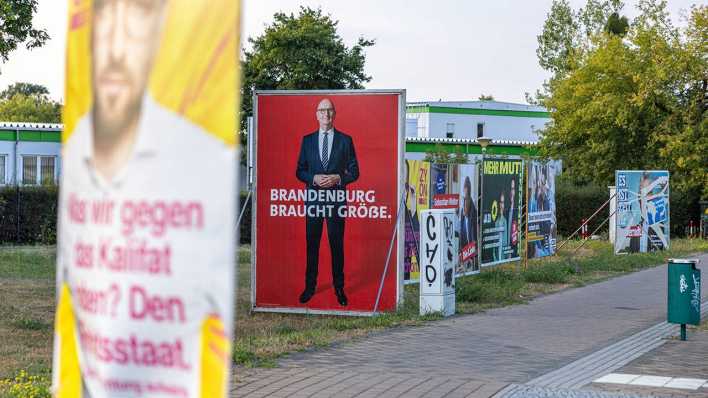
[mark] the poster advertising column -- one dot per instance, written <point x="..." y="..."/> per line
<point x="642" y="211"/>
<point x="329" y="184"/>
<point x="417" y="200"/>
<point x="146" y="243"/>
<point x="542" y="209"/>
<point x="501" y="210"/>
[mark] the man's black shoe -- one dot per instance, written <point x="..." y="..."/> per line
<point x="341" y="297"/>
<point x="306" y="295"/>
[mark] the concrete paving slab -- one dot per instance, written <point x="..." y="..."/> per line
<point x="616" y="378"/>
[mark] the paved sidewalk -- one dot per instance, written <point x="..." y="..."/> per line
<point x="675" y="358"/>
<point x="474" y="355"/>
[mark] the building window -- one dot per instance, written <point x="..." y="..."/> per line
<point x="29" y="170"/>
<point x="480" y="130"/>
<point x="46" y="174"/>
<point x="450" y="130"/>
<point x="38" y="170"/>
<point x="2" y="169"/>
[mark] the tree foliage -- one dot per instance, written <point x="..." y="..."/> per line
<point x="28" y="89"/>
<point x="441" y="154"/>
<point x="567" y="33"/>
<point x="27" y="102"/>
<point x="636" y="101"/>
<point x="16" y="27"/>
<point x="301" y="51"/>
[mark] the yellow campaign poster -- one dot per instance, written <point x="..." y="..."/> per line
<point x="145" y="259"/>
<point x="417" y="200"/>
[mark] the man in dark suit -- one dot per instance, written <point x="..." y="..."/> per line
<point x="328" y="163"/>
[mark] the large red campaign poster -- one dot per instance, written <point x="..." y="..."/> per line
<point x="327" y="194"/>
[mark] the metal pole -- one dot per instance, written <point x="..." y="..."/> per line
<point x="586" y="221"/>
<point x="683" y="332"/>
<point x="480" y="215"/>
<point x="17" y="187"/>
<point x="593" y="232"/>
<point x="243" y="209"/>
<point x="388" y="256"/>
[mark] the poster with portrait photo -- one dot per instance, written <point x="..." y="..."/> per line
<point x="501" y="210"/>
<point x="643" y="216"/>
<point x="146" y="240"/>
<point x="468" y="219"/>
<point x="328" y="185"/>
<point x="542" y="209"/>
<point x="417" y="199"/>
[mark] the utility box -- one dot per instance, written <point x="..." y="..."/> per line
<point x="439" y="253"/>
<point x="683" y="294"/>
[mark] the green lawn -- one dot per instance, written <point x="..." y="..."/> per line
<point x="27" y="302"/>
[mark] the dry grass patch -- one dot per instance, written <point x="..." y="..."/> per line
<point x="26" y="310"/>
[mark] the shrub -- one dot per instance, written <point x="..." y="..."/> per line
<point x="25" y="386"/>
<point x="575" y="202"/>
<point x="37" y="215"/>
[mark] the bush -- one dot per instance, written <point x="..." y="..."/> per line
<point x="684" y="206"/>
<point x="25" y="386"/>
<point x="37" y="215"/>
<point x="575" y="202"/>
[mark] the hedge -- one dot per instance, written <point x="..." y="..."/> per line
<point x="37" y="215"/>
<point x="574" y="202"/>
<point x="38" y="212"/>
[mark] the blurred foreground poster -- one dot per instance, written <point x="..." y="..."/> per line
<point x="145" y="263"/>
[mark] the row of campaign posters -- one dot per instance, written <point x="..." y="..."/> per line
<point x="336" y="225"/>
<point x="497" y="211"/>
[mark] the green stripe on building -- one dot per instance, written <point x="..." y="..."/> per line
<point x="475" y="111"/>
<point x="31" y="136"/>
<point x="472" y="149"/>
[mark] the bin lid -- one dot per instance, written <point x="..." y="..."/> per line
<point x="684" y="260"/>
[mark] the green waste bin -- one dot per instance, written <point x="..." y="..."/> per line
<point x="684" y="294"/>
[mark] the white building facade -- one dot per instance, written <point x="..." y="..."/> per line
<point x="500" y="121"/>
<point x="30" y="153"/>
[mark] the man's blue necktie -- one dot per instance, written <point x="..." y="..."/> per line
<point x="325" y="151"/>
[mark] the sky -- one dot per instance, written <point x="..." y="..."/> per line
<point x="437" y="50"/>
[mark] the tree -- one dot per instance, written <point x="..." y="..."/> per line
<point x="485" y="97"/>
<point x="301" y="52"/>
<point x="16" y="27"/>
<point x="29" y="89"/>
<point x="635" y="102"/>
<point x="27" y="102"/>
<point x="568" y="34"/>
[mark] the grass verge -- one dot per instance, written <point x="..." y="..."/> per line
<point x="27" y="303"/>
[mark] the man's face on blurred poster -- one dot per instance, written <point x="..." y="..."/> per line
<point x="125" y="37"/>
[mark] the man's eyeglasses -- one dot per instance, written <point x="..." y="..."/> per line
<point x="326" y="110"/>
